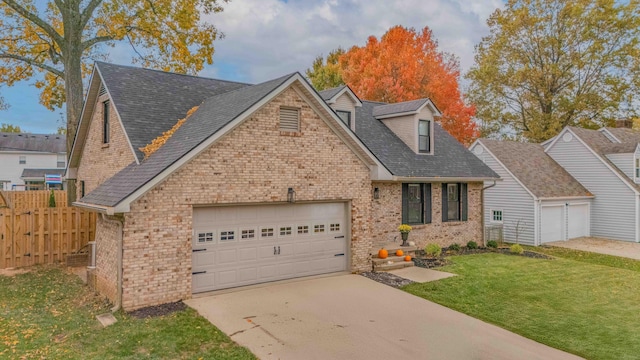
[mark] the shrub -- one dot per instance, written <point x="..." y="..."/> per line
<point x="492" y="244"/>
<point x="454" y="247"/>
<point x="52" y="199"/>
<point x="472" y="245"/>
<point x="516" y="249"/>
<point x="433" y="250"/>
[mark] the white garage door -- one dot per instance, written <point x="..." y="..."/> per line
<point x="551" y="223"/>
<point x="578" y="220"/>
<point x="243" y="245"/>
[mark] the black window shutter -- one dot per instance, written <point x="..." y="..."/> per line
<point x="445" y="204"/>
<point x="463" y="202"/>
<point x="427" y="203"/>
<point x="405" y="202"/>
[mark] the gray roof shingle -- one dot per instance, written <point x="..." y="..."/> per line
<point x="211" y="116"/>
<point x="150" y="102"/>
<point x="398" y="108"/>
<point x="538" y="172"/>
<point x="50" y="143"/>
<point x="450" y="159"/>
<point x="329" y="93"/>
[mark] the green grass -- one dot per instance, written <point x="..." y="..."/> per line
<point x="588" y="306"/>
<point x="48" y="313"/>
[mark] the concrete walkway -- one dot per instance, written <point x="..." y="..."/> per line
<point x="603" y="246"/>
<point x="352" y="317"/>
<point x="421" y="275"/>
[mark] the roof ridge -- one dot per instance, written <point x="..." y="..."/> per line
<point x="171" y="73"/>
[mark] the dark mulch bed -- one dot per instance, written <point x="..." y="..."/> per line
<point x="387" y="279"/>
<point x="158" y="310"/>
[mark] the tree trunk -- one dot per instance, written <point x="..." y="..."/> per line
<point x="72" y="57"/>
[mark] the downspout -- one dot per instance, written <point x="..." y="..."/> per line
<point x="484" y="232"/>
<point x="118" y="303"/>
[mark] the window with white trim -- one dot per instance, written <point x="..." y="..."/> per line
<point x="345" y="116"/>
<point x="248" y="234"/>
<point x="285" y="230"/>
<point x="496" y="216"/>
<point x="334" y="227"/>
<point x="205" y="237"/>
<point x="424" y="136"/>
<point x="22" y="159"/>
<point x="289" y="119"/>
<point x="266" y="232"/>
<point x="303" y="229"/>
<point x="61" y="161"/>
<point x="227" y="235"/>
<point x="318" y="228"/>
<point x="637" y="170"/>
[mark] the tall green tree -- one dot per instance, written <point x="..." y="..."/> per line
<point x="55" y="41"/>
<point x="326" y="74"/>
<point x="9" y="128"/>
<point x="547" y="64"/>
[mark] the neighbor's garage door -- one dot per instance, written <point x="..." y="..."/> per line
<point x="551" y="223"/>
<point x="243" y="245"/>
<point x="578" y="220"/>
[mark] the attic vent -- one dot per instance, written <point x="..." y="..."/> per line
<point x="289" y="119"/>
<point x="103" y="90"/>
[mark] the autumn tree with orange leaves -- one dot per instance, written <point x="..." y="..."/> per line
<point x="407" y="65"/>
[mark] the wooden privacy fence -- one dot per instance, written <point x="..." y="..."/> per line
<point x="32" y="199"/>
<point x="43" y="235"/>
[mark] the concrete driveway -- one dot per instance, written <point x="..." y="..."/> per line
<point x="603" y="246"/>
<point x="352" y="317"/>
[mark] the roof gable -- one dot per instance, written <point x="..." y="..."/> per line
<point x="331" y="95"/>
<point x="215" y="117"/>
<point x="536" y="171"/>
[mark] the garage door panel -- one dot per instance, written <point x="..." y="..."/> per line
<point x="306" y="238"/>
<point x="578" y="219"/>
<point x="551" y="223"/>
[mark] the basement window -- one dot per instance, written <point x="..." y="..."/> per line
<point x="289" y="119"/>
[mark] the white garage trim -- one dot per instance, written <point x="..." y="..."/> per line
<point x="244" y="245"/>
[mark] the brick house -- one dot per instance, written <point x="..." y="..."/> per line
<point x="261" y="183"/>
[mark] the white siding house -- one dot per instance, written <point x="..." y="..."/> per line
<point x="21" y="154"/>
<point x="603" y="165"/>
<point x="536" y="201"/>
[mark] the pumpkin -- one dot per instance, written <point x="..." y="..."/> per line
<point x="399" y="252"/>
<point x="382" y="253"/>
<point x="407" y="258"/>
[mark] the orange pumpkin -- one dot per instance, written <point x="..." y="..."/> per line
<point x="407" y="258"/>
<point x="382" y="253"/>
<point x="399" y="252"/>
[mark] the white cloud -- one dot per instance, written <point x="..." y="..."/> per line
<point x="269" y="38"/>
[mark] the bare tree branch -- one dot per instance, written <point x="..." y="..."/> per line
<point x="32" y="62"/>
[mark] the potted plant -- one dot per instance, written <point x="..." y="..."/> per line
<point x="404" y="231"/>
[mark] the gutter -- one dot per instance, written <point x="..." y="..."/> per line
<point x="118" y="304"/>
<point x="484" y="233"/>
<point x="444" y="179"/>
<point x="101" y="209"/>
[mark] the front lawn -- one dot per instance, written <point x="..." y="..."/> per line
<point x="588" y="306"/>
<point x="50" y="314"/>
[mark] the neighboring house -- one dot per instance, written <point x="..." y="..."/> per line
<point x="26" y="157"/>
<point x="537" y="200"/>
<point x="261" y="182"/>
<point x="607" y="162"/>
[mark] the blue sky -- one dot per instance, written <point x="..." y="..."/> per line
<point x="268" y="38"/>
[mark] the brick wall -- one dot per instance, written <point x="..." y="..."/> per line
<point x="101" y="161"/>
<point x="256" y="164"/>
<point x="387" y="215"/>
<point x="107" y="237"/>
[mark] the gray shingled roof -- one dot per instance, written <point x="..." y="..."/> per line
<point x="398" y="108"/>
<point x="599" y="143"/>
<point x="151" y="101"/>
<point x="330" y="93"/>
<point x="211" y="116"/>
<point x="40" y="173"/>
<point x="51" y="143"/>
<point x="538" y="172"/>
<point x="450" y="159"/>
